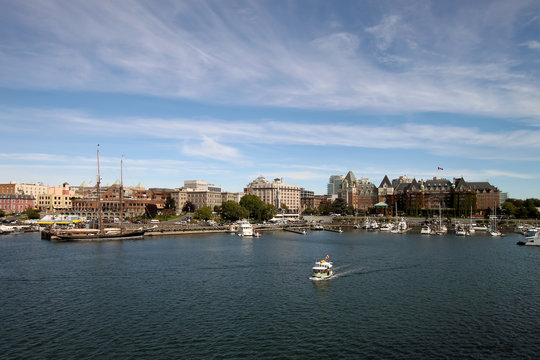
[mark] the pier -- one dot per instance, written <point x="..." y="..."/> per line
<point x="297" y="230"/>
<point x="338" y="230"/>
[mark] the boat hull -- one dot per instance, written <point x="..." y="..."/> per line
<point x="321" y="278"/>
<point x="134" y="235"/>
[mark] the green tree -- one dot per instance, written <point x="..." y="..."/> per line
<point x="188" y="207"/>
<point x="170" y="203"/>
<point x="203" y="213"/>
<point x="325" y="208"/>
<point x="339" y="206"/>
<point x="268" y="212"/>
<point x="31" y="213"/>
<point x="253" y="204"/>
<point x="258" y="210"/>
<point x="233" y="211"/>
<point x="509" y="209"/>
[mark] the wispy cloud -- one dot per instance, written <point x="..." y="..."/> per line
<point x="241" y="53"/>
<point x="532" y="44"/>
<point x="225" y="140"/>
<point x="210" y="148"/>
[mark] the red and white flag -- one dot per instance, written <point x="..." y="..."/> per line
<point x="326" y="256"/>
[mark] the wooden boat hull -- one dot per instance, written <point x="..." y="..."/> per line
<point x="133" y="235"/>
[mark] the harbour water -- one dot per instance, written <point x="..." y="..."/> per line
<point x="225" y="297"/>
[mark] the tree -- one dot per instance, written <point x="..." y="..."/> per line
<point x="268" y="212"/>
<point x="258" y="210"/>
<point x="2" y="213"/>
<point x="339" y="206"/>
<point x="233" y="211"/>
<point x="203" y="213"/>
<point x="253" y="204"/>
<point x="31" y="213"/>
<point x="325" y="208"/>
<point x="170" y="203"/>
<point x="509" y="209"/>
<point x="188" y="207"/>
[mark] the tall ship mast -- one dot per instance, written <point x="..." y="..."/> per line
<point x="101" y="233"/>
<point x="99" y="195"/>
<point x="121" y="198"/>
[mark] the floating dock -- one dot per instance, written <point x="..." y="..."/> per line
<point x="297" y="231"/>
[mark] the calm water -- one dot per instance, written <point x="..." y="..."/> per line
<point x="223" y="297"/>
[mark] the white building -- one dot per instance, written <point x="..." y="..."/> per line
<point x="276" y="193"/>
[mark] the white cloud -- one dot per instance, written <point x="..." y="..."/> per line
<point x="243" y="54"/>
<point x="532" y="44"/>
<point x="387" y="30"/>
<point x="210" y="148"/>
<point x="223" y="139"/>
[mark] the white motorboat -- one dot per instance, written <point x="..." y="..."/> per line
<point x="425" y="230"/>
<point x="386" y="227"/>
<point x="461" y="230"/>
<point x="480" y="227"/>
<point x="322" y="270"/>
<point x="400" y="227"/>
<point x="531" y="240"/>
<point x="245" y="228"/>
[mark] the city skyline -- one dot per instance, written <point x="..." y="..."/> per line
<point x="300" y="90"/>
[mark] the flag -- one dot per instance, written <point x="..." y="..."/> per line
<point x="439" y="168"/>
<point x="326" y="256"/>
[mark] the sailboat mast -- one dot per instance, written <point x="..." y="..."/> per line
<point x="121" y="195"/>
<point x="99" y="194"/>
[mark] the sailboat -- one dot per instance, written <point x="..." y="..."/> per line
<point x="494" y="231"/>
<point x="442" y="229"/>
<point x="101" y="233"/>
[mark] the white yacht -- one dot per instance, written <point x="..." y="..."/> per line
<point x="322" y="270"/>
<point x="245" y="228"/>
<point x="531" y="240"/>
<point x="386" y="227"/>
<point x="425" y="230"/>
<point x="461" y="230"/>
<point x="480" y="227"/>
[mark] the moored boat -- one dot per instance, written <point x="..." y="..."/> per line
<point x="425" y="230"/>
<point x="81" y="234"/>
<point x="245" y="228"/>
<point x="531" y="240"/>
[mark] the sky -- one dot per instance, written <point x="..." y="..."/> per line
<point x="226" y="91"/>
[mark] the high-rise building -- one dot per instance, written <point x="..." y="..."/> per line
<point x="334" y="184"/>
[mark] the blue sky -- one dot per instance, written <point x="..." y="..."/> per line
<point x="225" y="91"/>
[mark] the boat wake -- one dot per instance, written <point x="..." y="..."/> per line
<point x="346" y="270"/>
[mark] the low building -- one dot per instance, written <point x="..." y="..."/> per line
<point x="24" y="189"/>
<point x="307" y="199"/>
<point x="16" y="202"/>
<point x="52" y="202"/>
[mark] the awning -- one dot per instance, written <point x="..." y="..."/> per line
<point x="381" y="204"/>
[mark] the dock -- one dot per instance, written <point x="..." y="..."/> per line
<point x="297" y="231"/>
<point x="333" y="230"/>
